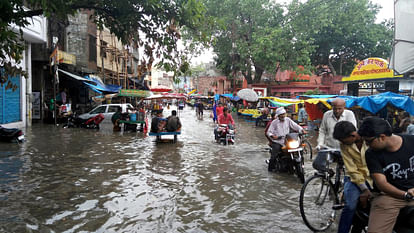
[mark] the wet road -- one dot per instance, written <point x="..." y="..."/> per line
<point x="78" y="180"/>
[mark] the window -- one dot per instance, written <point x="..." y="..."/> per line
<point x="92" y="48"/>
<point x="98" y="110"/>
<point x="113" y="108"/>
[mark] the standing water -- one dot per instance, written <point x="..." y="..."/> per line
<point x="79" y="180"/>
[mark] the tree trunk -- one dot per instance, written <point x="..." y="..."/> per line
<point x="248" y="76"/>
<point x="331" y="67"/>
<point x="258" y="74"/>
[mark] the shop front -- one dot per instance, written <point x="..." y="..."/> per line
<point x="372" y="76"/>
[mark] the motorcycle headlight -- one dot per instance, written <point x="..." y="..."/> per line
<point x="293" y="144"/>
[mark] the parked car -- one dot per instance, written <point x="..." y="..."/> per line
<point x="106" y="109"/>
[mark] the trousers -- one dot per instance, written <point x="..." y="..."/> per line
<point x="384" y="212"/>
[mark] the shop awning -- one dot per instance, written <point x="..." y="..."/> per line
<point x="95" y="83"/>
<point x="375" y="103"/>
<point x="230" y="96"/>
<point x="77" y="77"/>
<point x="135" y="93"/>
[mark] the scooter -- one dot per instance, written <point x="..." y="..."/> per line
<point x="404" y="224"/>
<point x="91" y="123"/>
<point x="225" y="134"/>
<point x="291" y="158"/>
<point x="11" y="135"/>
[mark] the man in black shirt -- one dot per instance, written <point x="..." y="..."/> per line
<point x="390" y="161"/>
<point x="173" y="122"/>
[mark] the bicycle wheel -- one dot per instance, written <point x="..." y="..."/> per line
<point x="317" y="198"/>
<point x="307" y="150"/>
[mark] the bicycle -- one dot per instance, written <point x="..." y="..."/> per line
<point x="321" y="194"/>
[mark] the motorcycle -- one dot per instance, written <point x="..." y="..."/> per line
<point x="77" y="122"/>
<point x="11" y="135"/>
<point x="291" y="157"/>
<point x="404" y="224"/>
<point x="224" y="134"/>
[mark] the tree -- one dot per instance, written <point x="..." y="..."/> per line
<point x="343" y="32"/>
<point x="253" y="37"/>
<point x="155" y="25"/>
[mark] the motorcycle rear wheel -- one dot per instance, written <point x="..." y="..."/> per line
<point x="317" y="198"/>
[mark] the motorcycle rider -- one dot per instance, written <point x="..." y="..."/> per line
<point x="390" y="160"/>
<point x="277" y="131"/>
<point x="224" y="118"/>
<point x="357" y="181"/>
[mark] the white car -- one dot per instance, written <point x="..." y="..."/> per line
<point x="106" y="109"/>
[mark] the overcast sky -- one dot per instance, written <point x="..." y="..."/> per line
<point x="387" y="10"/>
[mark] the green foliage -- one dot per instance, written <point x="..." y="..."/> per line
<point x="258" y="36"/>
<point x="153" y="24"/>
<point x="343" y="32"/>
<point x="253" y="37"/>
<point x="313" y="92"/>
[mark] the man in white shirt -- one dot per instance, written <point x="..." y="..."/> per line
<point x="329" y="120"/>
<point x="277" y="131"/>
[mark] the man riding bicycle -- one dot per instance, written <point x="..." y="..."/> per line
<point x="329" y="120"/>
<point x="357" y="181"/>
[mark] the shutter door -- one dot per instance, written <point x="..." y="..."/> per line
<point x="10" y="101"/>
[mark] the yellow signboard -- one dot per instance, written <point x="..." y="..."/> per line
<point x="67" y="58"/>
<point x="371" y="68"/>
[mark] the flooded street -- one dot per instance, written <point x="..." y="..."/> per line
<point x="79" y="180"/>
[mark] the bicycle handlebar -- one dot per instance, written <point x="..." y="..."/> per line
<point x="329" y="149"/>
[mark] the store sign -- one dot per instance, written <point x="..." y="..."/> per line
<point x="371" y="68"/>
<point x="59" y="56"/>
<point x="371" y="85"/>
<point x="36" y="105"/>
<point x="67" y="58"/>
<point x="134" y="93"/>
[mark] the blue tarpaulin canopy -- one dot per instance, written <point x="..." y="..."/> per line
<point x="374" y="103"/>
<point x="234" y="98"/>
<point x="98" y="86"/>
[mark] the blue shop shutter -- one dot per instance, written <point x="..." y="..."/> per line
<point x="10" y="107"/>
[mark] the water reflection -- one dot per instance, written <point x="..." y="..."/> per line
<point x="77" y="180"/>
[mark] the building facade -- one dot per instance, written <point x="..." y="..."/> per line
<point x="16" y="108"/>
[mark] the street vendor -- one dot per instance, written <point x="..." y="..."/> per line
<point x="116" y="118"/>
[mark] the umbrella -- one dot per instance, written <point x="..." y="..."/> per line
<point x="160" y="88"/>
<point x="248" y="95"/>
